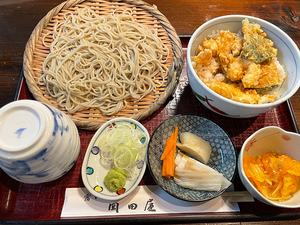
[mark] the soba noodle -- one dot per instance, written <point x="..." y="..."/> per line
<point x="100" y="61"/>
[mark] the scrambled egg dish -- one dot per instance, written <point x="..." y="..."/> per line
<point x="242" y="67"/>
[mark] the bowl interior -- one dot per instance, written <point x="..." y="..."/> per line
<point x="288" y="52"/>
<point x="272" y="139"/>
<point x="266" y="140"/>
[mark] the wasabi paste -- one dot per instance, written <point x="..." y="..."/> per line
<point x="115" y="179"/>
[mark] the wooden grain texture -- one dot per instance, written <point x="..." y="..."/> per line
<point x="18" y="18"/>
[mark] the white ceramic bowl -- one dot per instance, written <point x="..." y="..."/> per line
<point x="265" y="140"/>
<point x="93" y="171"/>
<point x="38" y="143"/>
<point x="288" y="55"/>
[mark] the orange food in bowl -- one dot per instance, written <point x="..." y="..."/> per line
<point x="275" y="175"/>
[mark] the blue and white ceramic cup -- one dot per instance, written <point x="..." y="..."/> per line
<point x="38" y="143"/>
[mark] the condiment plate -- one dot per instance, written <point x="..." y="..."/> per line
<point x="93" y="171"/>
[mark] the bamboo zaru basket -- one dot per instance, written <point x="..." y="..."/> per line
<point x="91" y="119"/>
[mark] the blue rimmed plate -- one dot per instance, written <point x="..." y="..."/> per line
<point x="93" y="171"/>
<point x="223" y="157"/>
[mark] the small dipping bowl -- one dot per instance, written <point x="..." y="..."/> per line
<point x="270" y="138"/>
<point x="38" y="143"/>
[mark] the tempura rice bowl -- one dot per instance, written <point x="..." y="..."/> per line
<point x="288" y="55"/>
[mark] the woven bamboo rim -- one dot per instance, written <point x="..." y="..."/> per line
<point x="35" y="54"/>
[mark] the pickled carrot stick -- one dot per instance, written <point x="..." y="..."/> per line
<point x="168" y="156"/>
<point x="169" y="143"/>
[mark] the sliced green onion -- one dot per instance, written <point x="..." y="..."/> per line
<point x="123" y="157"/>
<point x="123" y="145"/>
